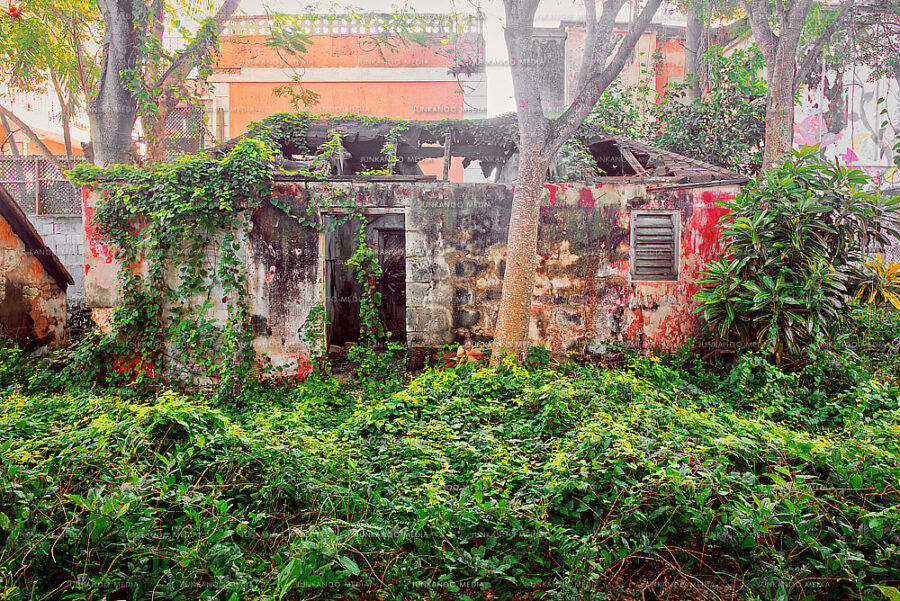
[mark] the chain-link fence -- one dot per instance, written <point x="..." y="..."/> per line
<point x="38" y="186"/>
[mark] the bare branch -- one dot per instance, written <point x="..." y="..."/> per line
<point x="34" y="138"/>
<point x="181" y="66"/>
<point x="815" y="50"/>
<point x="757" y="13"/>
<point x="599" y="80"/>
<point x="782" y="17"/>
<point x="524" y="63"/>
<point x="590" y="40"/>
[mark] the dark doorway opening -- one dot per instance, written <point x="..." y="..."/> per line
<point x="385" y="234"/>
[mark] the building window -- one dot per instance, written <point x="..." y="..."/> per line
<point x="655" y="245"/>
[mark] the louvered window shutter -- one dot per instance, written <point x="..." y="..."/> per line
<point x="654" y="245"/>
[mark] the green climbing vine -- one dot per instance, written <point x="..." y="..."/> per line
<point x="326" y="200"/>
<point x="177" y="230"/>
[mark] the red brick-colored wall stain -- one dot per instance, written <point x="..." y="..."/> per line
<point x="585" y="295"/>
<point x="32" y="306"/>
<point x="97" y="249"/>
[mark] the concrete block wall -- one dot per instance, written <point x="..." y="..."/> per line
<point x="64" y="234"/>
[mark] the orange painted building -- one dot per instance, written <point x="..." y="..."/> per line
<point x="658" y="57"/>
<point x="25" y="146"/>
<point x="354" y="66"/>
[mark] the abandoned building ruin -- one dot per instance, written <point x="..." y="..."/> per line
<point x="619" y="253"/>
<point x="33" y="281"/>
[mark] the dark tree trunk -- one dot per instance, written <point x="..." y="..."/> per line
<point x="112" y="112"/>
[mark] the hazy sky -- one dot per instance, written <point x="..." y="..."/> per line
<point x="500" y="92"/>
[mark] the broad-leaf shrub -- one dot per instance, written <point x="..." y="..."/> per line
<point x="726" y="126"/>
<point x="792" y="236"/>
<point x="878" y="282"/>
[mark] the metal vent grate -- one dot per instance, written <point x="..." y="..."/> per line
<point x="654" y="245"/>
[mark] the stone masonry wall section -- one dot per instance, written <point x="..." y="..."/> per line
<point x="585" y="297"/>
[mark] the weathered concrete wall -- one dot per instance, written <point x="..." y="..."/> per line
<point x="32" y="306"/>
<point x="585" y="296"/>
<point x="64" y="234"/>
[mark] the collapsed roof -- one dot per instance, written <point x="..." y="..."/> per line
<point x="490" y="142"/>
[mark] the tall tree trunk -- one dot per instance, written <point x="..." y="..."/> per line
<point x="782" y="55"/>
<point x="113" y="111"/>
<point x="540" y="138"/>
<point x="692" y="52"/>
<point x="779" y="113"/>
<point x="171" y="82"/>
<point x="521" y="251"/>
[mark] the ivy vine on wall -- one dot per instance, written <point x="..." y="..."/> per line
<point x="177" y="230"/>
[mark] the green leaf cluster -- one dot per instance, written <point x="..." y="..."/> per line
<point x="177" y="230"/>
<point x="792" y="237"/>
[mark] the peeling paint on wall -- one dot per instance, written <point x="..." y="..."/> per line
<point x="32" y="306"/>
<point x="585" y="297"/>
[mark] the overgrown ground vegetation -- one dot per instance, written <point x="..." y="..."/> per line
<point x="709" y="473"/>
<point x="663" y="477"/>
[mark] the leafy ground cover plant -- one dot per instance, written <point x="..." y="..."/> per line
<point x="659" y="479"/>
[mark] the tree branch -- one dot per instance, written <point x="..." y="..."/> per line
<point x="564" y="125"/>
<point x="782" y="18"/>
<point x="757" y="13"/>
<point x="815" y="50"/>
<point x="34" y="138"/>
<point x="590" y="40"/>
<point x="524" y="64"/>
<point x="181" y="65"/>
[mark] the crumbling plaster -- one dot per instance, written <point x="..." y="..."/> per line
<point x="32" y="306"/>
<point x="584" y="298"/>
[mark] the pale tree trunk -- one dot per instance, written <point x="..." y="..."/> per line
<point x="154" y="122"/>
<point x="521" y="253"/>
<point x="540" y="138"/>
<point x="113" y="110"/>
<point x="692" y="52"/>
<point x="785" y="68"/>
<point x="779" y="114"/>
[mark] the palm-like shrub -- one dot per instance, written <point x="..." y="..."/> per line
<point x="792" y="236"/>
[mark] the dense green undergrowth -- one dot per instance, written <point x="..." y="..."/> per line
<point x="665" y="478"/>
